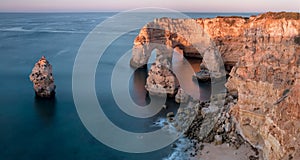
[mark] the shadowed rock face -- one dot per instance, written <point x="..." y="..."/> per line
<point x="264" y="52"/>
<point x="42" y="79"/>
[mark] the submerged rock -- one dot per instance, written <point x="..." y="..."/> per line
<point x="42" y="79"/>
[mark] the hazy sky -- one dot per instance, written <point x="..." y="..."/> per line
<point x="121" y="5"/>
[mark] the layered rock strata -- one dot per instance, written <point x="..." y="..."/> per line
<point x="222" y="33"/>
<point x="188" y="35"/>
<point x="42" y="79"/>
<point x="264" y="52"/>
<point x="267" y="80"/>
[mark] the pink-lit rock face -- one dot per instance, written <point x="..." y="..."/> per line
<point x="161" y="80"/>
<point x="227" y="34"/>
<point x="42" y="79"/>
<point x="264" y="52"/>
<point x="267" y="80"/>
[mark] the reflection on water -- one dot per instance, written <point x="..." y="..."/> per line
<point x="185" y="69"/>
<point x="181" y="67"/>
<point x="45" y="108"/>
<point x="139" y="93"/>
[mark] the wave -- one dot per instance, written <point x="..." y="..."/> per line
<point x="21" y="29"/>
<point x="48" y="30"/>
<point x="59" y="53"/>
<point x="182" y="148"/>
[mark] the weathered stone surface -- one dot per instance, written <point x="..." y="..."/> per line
<point x="218" y="139"/>
<point x="212" y="121"/>
<point x="224" y="35"/>
<point x="42" y="79"/>
<point x="161" y="80"/>
<point x="266" y="78"/>
<point x="165" y="34"/>
<point x="267" y="81"/>
<point x="181" y="96"/>
<point x="264" y="52"/>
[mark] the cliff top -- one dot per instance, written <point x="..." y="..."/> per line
<point x="267" y="15"/>
<point x="280" y="15"/>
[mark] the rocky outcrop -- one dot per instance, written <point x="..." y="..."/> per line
<point x="181" y="96"/>
<point x="42" y="79"/>
<point x="203" y="75"/>
<point x="161" y="80"/>
<point x="267" y="80"/>
<point x="224" y="34"/>
<point x="264" y="52"/>
<point x="165" y="34"/>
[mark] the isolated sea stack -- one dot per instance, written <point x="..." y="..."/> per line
<point x="42" y="79"/>
<point x="161" y="80"/>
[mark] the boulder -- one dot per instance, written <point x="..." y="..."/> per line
<point x="181" y="96"/>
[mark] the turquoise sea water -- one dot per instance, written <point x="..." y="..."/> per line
<point x="51" y="129"/>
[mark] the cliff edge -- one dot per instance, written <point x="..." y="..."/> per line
<point x="266" y="79"/>
<point x="262" y="54"/>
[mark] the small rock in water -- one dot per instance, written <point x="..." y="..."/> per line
<point x="170" y="119"/>
<point x="42" y="79"/>
<point x="170" y="114"/>
<point x="164" y="106"/>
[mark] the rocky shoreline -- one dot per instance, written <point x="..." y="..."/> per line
<point x="204" y="130"/>
<point x="262" y="55"/>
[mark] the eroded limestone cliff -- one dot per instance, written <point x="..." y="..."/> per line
<point x="264" y="52"/>
<point x="267" y="81"/>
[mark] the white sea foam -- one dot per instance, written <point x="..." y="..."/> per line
<point x="61" y="52"/>
<point x="182" y="147"/>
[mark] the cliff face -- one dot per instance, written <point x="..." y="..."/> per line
<point x="165" y="34"/>
<point x="227" y="34"/>
<point x="42" y="79"/>
<point x="264" y="52"/>
<point x="267" y="81"/>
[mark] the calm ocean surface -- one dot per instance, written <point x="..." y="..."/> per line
<point x="36" y="129"/>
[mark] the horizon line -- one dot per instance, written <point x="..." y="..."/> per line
<point x="103" y="11"/>
<point x="118" y="11"/>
